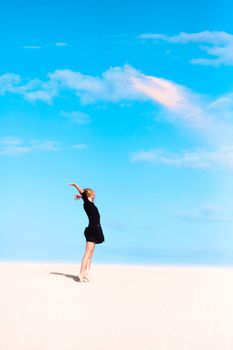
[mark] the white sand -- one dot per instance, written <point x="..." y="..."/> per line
<point x="123" y="308"/>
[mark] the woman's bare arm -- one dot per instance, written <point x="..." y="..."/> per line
<point x="78" y="188"/>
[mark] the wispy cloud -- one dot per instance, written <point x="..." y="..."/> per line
<point x="61" y="44"/>
<point x="39" y="95"/>
<point x="12" y="146"/>
<point x="32" y="47"/>
<point x="8" y="82"/>
<point x="207" y="213"/>
<point x="209" y="118"/>
<point x="114" y="85"/>
<point x="217" y="44"/>
<point x="80" y="146"/>
<point x="77" y="116"/>
<point x="125" y="84"/>
<point x="45" y="146"/>
<point x="48" y="45"/>
<point x="221" y="158"/>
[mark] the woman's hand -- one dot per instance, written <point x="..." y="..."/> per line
<point x="77" y="197"/>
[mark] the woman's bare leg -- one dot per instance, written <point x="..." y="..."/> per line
<point x="88" y="265"/>
<point x="86" y="260"/>
<point x="88" y="268"/>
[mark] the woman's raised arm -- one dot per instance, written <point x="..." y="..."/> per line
<point x="79" y="189"/>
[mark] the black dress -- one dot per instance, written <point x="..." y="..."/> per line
<point x="93" y="233"/>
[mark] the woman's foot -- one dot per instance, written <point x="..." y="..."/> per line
<point x="81" y="278"/>
<point x="85" y="278"/>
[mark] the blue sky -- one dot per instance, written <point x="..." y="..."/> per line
<point x="133" y="99"/>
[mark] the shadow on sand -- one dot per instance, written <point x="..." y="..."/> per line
<point x="75" y="278"/>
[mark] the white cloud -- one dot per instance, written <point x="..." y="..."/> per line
<point x="209" y="118"/>
<point x="114" y="85"/>
<point x="32" y="47"/>
<point x="221" y="158"/>
<point x="214" y="37"/>
<point x="37" y="47"/>
<point x="7" y="82"/>
<point x="182" y="106"/>
<point x="10" y="141"/>
<point x="12" y="146"/>
<point x="14" y="150"/>
<point x="80" y="146"/>
<point x="61" y="44"/>
<point x="127" y="84"/>
<point x="207" y="213"/>
<point x="217" y="44"/>
<point x="40" y="95"/>
<point x="77" y="116"/>
<point x="45" y="146"/>
<point x="117" y="84"/>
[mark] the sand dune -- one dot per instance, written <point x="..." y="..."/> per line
<point x="43" y="307"/>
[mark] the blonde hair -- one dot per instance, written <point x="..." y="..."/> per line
<point x="89" y="192"/>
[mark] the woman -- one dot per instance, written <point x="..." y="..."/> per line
<point x="93" y="232"/>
